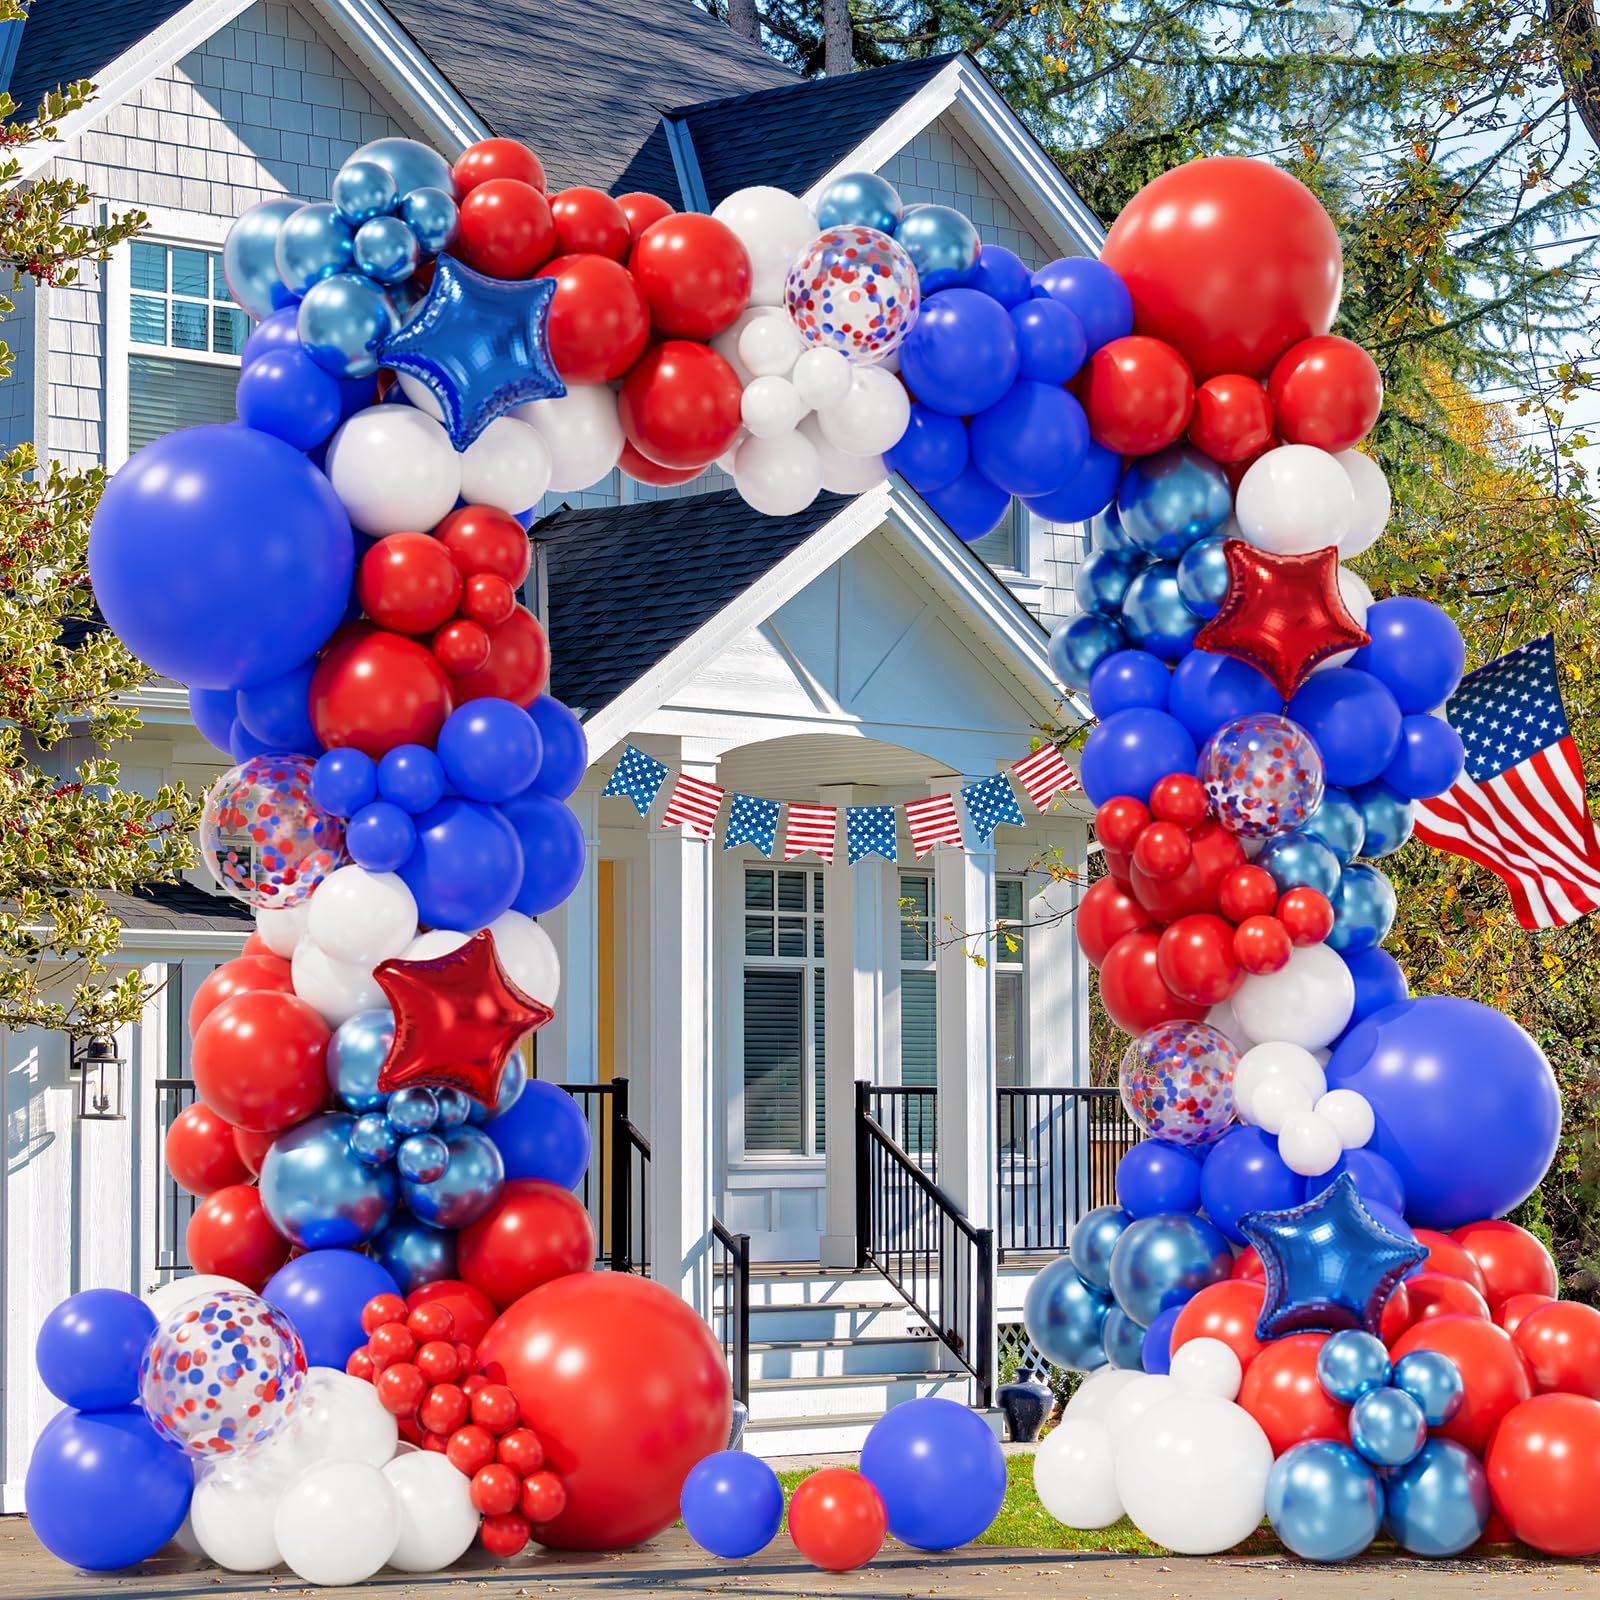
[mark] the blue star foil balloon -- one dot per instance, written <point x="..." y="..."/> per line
<point x="1330" y="1263"/>
<point x="479" y="345"/>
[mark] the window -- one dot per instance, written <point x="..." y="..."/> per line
<point x="1002" y="546"/>
<point x="185" y="334"/>
<point x="919" y="1006"/>
<point x="785" y="1013"/>
<point x="1010" y="983"/>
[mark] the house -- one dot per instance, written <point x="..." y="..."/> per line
<point x="790" y="1034"/>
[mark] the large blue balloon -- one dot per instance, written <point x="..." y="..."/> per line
<point x="249" y="258"/>
<point x="566" y="748"/>
<point x="317" y="1192"/>
<point x="1375" y="1179"/>
<point x="104" y="1489"/>
<point x="1081" y="644"/>
<point x="1102" y="580"/>
<point x="1093" y="293"/>
<point x="1032" y="440"/>
<point x="933" y="451"/>
<point x="732" y="1504"/>
<point x="971" y="506"/>
<point x="466" y="867"/>
<point x="1209" y="690"/>
<point x="1002" y="276"/>
<point x="1364" y="907"/>
<point x="1154" y="614"/>
<point x="1295" y="860"/>
<point x="961" y="354"/>
<point x="1379" y="981"/>
<point x="322" y="1293"/>
<point x="1387" y="818"/>
<point x="468" y="1187"/>
<point x="1170" y="500"/>
<point x="90" y="1346"/>
<point x="213" y="711"/>
<point x="943" y="245"/>
<point x="1467" y="1109"/>
<point x="940" y="1470"/>
<point x="1439" y="1504"/>
<point x="543" y="1134"/>
<point x="1127" y="679"/>
<point x="1155" y="1178"/>
<point x="1429" y="760"/>
<point x="278" y="712"/>
<point x="1065" y="1316"/>
<point x="205" y="514"/>
<point x="1324" y="1501"/>
<point x="1132" y="751"/>
<point x="412" y="1253"/>
<point x="553" y="852"/>
<point x="1093" y="1240"/>
<point x="285" y="393"/>
<point x="1087" y="493"/>
<point x="1353" y="721"/>
<point x="1245" y="1173"/>
<point x="490" y="749"/>
<point x="1163" y="1261"/>
<point x="1050" y="341"/>
<point x="1416" y="653"/>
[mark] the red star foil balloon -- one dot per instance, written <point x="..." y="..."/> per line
<point x="457" y="1017"/>
<point x="1282" y="614"/>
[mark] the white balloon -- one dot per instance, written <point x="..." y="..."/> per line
<point x="726" y="343"/>
<point x="582" y="432"/>
<point x="778" y="476"/>
<point x="1094" y="1395"/>
<point x="362" y="917"/>
<point x="435" y="942"/>
<point x="770" y="346"/>
<point x="281" y="930"/>
<point x="1075" y="1474"/>
<point x="872" y="415"/>
<point x="420" y="395"/>
<point x="170" y="1297"/>
<point x="341" y="1419"/>
<point x="770" y="407"/>
<point x="394" y="468"/>
<point x="1272" y="1103"/>
<point x="774" y="226"/>
<point x="725" y="461"/>
<point x="335" y="990"/>
<point x="437" y="1518"/>
<point x="1307" y="1002"/>
<point x="1226" y="1021"/>
<point x="822" y="376"/>
<point x="1129" y="1404"/>
<point x="337" y="1523"/>
<point x="1295" y="499"/>
<point x="184" y="1538"/>
<point x="507" y="466"/>
<point x="528" y="954"/>
<point x="1350" y="1112"/>
<point x="233" y="1517"/>
<point x="1357" y="597"/>
<point x="841" y="473"/>
<point x="1207" y="1366"/>
<point x="1192" y="1474"/>
<point x="1373" y="502"/>
<point x="1275" y="1059"/>
<point x="1309" y="1144"/>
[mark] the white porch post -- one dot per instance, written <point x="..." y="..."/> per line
<point x="568" y="1045"/>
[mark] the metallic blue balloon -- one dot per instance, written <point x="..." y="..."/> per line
<point x="862" y="199"/>
<point x="363" y="190"/>
<point x="386" y="249"/>
<point x="313" y="244"/>
<point x="1364" y="908"/>
<point x="1163" y="1261"/>
<point x="413" y="1110"/>
<point x="410" y="164"/>
<point x="1352" y="1364"/>
<point x="1154" y="615"/>
<point x="468" y="1187"/>
<point x="433" y="216"/>
<point x="1065" y="1316"/>
<point x="1439" y="1504"/>
<point x="318" y="1192"/>
<point x="1337" y="823"/>
<point x="1171" y="499"/>
<point x="1102" y="580"/>
<point x="422" y="1158"/>
<point x="1079" y="645"/>
<point x="512" y="1082"/>
<point x="1387" y="1427"/>
<point x="1203" y="575"/>
<point x="343" y="321"/>
<point x="1433" y="1380"/>
<point x="1324" y="1501"/>
<point x="943" y="246"/>
<point x="1124" y="1341"/>
<point x="455" y="1106"/>
<point x="413" y="1254"/>
<point x="250" y="258"/>
<point x="1093" y="1240"/>
<point x="373" y="1139"/>
<point x="1107" y="533"/>
<point x="1295" y="860"/>
<point x="1387" y="816"/>
<point x="355" y="1056"/>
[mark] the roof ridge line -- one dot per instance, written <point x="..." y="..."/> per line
<point x="941" y="60"/>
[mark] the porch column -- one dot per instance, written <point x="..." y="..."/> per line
<point x="568" y="1045"/>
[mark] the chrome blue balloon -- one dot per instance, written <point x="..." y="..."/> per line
<point x="250" y="258"/>
<point x="862" y="199"/>
<point x="1124" y="1341"/>
<point x="1171" y="499"/>
<point x="1065" y="1316"/>
<point x="455" y="1106"/>
<point x="421" y="1158"/>
<point x="1107" y="533"/>
<point x="318" y="1192"/>
<point x="1387" y="817"/>
<point x="413" y="1110"/>
<point x="1102" y="580"/>
<point x="363" y="190"/>
<point x="313" y="244"/>
<point x="433" y="216"/>
<point x="1154" y="615"/>
<point x="1324" y="1501"/>
<point x="410" y="164"/>
<point x="1203" y="575"/>
<point x="468" y="1186"/>
<point x="387" y="250"/>
<point x="1438" y="1505"/>
<point x="374" y="1139"/>
<point x="413" y="1254"/>
<point x="1433" y="1380"/>
<point x="1080" y="644"/>
<point x="343" y="322"/>
<point x="943" y="246"/>
<point x="1364" y="908"/>
<point x="1387" y="1427"/>
<point x="1093" y="1240"/>
<point x="1163" y="1261"/>
<point x="512" y="1081"/>
<point x="355" y="1057"/>
<point x="1352" y="1364"/>
<point x="1297" y="861"/>
<point x="1337" y="823"/>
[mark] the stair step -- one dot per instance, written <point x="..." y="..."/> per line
<point x="856" y="1393"/>
<point x="835" y="1324"/>
<point x="826" y="1359"/>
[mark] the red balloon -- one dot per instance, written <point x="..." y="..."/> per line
<point x="470" y="1308"/>
<point x="1306" y="915"/>
<point x="1229" y="259"/>
<point x="1436" y="1294"/>
<point x="1512" y="1260"/>
<point x="518" y="668"/>
<point x="496" y="158"/>
<point x="1119" y="865"/>
<point x="1561" y="1344"/>
<point x="1510" y="1314"/>
<point x="504" y="1537"/>
<point x="1326" y="392"/>
<point x="643" y="470"/>
<point x="1261" y="945"/>
<point x="626" y="1388"/>
<point x="252" y="1148"/>
<point x="1447" y="1256"/>
<point x="255" y="945"/>
<point x="1162" y="850"/>
<point x="1120" y="821"/>
<point x="695" y="275"/>
<point x="1226" y="1311"/>
<point x="1247" y="891"/>
<point x="599" y="323"/>
<point x="408" y="582"/>
<point x="1495" y="1375"/>
<point x="259" y="1061"/>
<point x="200" y="1152"/>
<point x="680" y="404"/>
<point x="242" y="975"/>
<point x="505" y="229"/>
<point x="1396" y="1314"/>
<point x="487" y="599"/>
<point x="377" y="690"/>
<point x="1248" y="1265"/>
<point x="1232" y="418"/>
<point x="1541" y="1469"/>
<point x="1282" y="1392"/>
<point x="837" y="1519"/>
<point x="1196" y="959"/>
<point x="1138" y="395"/>
<point x="231" y="1235"/>
<point x="533" y="1233"/>
<point x="1216" y="853"/>
<point x="484" y="539"/>
<point x="1179" y="798"/>
<point x="461" y="647"/>
<point x="590" y="223"/>
<point x="641" y="210"/>
<point x="1105" y="913"/>
<point x="1132" y="990"/>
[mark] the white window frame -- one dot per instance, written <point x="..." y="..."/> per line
<point x="1008" y="961"/>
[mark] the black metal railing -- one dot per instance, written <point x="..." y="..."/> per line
<point x="916" y="1236"/>
<point x="909" y="1114"/>
<point x="730" y="1272"/>
<point x="174" y="1206"/>
<point x="613" y="1191"/>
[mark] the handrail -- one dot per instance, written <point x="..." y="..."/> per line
<point x="735" y="1308"/>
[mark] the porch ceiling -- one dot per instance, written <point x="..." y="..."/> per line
<point x="792" y="767"/>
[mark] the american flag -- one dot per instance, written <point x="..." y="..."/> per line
<point x="693" y="804"/>
<point x="637" y="777"/>
<point x="990" y="802"/>
<point x="869" y="831"/>
<point x="933" y="822"/>
<point x="752" y="820"/>
<point x="811" y="828"/>
<point x="1043" y="775"/>
<point x="1518" y="807"/>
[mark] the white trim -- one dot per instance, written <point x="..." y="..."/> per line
<point x="890" y="137"/>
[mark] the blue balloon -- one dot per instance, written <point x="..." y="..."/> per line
<point x="553" y="852"/>
<point x="862" y="200"/>
<point x="565" y="746"/>
<point x="1353" y="721"/>
<point x="1032" y="440"/>
<point x="413" y="1110"/>
<point x="213" y="711"/>
<point x="961" y="354"/>
<point x="243" y="745"/>
<point x="943" y="245"/>
<point x="1244" y="1173"/>
<point x="421" y="1158"/>
<point x="285" y="393"/>
<point x="1295" y="860"/>
<point x="1127" y="679"/>
<point x="380" y="837"/>
<point x="1386" y="818"/>
<point x="1429" y="760"/>
<point x="1375" y="1179"/>
<point x="1416" y="653"/>
<point x="542" y="1134"/>
<point x="343" y="781"/>
<point x="374" y="1139"/>
<point x="1002" y="276"/>
<point x="1106" y="531"/>
<point x="412" y="778"/>
<point x="1324" y="1501"/>
<point x="1203" y="575"/>
<point x="490" y="749"/>
<point x="1352" y="1364"/>
<point x="732" y="1504"/>
<point x="343" y="322"/>
<point x="455" y="1105"/>
<point x="1163" y="1261"/>
<point x="1065" y="1316"/>
<point x="363" y="190"/>
<point x="1364" y="907"/>
<point x="1379" y="983"/>
<point x="940" y="1470"/>
<point x="1387" y="1427"/>
<point x="280" y="331"/>
<point x="1088" y="493"/>
<point x="1434" y="1381"/>
<point x="317" y="1192"/>
<point x="90" y="1346"/>
<point x="412" y="165"/>
<point x="1439" y="1504"/>
<point x="1050" y="341"/>
<point x="513" y="1080"/>
<point x="1171" y="499"/>
<point x="1157" y="1351"/>
<point x="1124" y="1341"/>
<point x="313" y="244"/>
<point x="355" y="1057"/>
<point x="1155" y="1178"/>
<point x="1081" y="645"/>
<point x="467" y="865"/>
<point x="104" y="1490"/>
<point x="468" y="1187"/>
<point x="1154" y="615"/>
<point x="971" y="506"/>
<point x="431" y="214"/>
<point x="387" y="250"/>
<point x="249" y="257"/>
<point x="212" y="511"/>
<point x="1093" y="293"/>
<point x="323" y="1293"/>
<point x="1467" y="1142"/>
<point x="1093" y="1240"/>
<point x="1131" y="752"/>
<point x="1209" y="690"/>
<point x="1337" y="823"/>
<point x="933" y="451"/>
<point x="413" y="1254"/>
<point x="279" y="711"/>
<point x="1102" y="580"/>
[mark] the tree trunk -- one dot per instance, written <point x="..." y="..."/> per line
<point x="1578" y="47"/>
<point x="744" y="21"/>
<point x="838" y="55"/>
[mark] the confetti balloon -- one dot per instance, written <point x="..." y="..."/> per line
<point x="1177" y="1082"/>
<point x="266" y="841"/>
<point x="222" y="1374"/>
<point x="1263" y="775"/>
<point x="855" y="291"/>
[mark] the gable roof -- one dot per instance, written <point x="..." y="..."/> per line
<point x="64" y="40"/>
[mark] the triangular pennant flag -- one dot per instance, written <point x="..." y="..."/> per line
<point x="990" y="802"/>
<point x="637" y="777"/>
<point x="1043" y="775"/>
<point x="693" y="804"/>
<point x="752" y="821"/>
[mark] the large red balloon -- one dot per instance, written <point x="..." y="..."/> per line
<point x="533" y="1233"/>
<point x="231" y="1235"/>
<point x="252" y="1148"/>
<point x="409" y="583"/>
<point x="1541" y="1469"/>
<point x="1282" y="1392"/>
<point x="694" y="272"/>
<point x="505" y="230"/>
<point x="376" y="690"/>
<point x="599" y="323"/>
<point x="643" y="470"/>
<point x="200" y="1152"/>
<point x="1197" y="961"/>
<point x="518" y="668"/>
<point x="680" y="404"/>
<point x="1495" y="1375"/>
<point x="1132" y="989"/>
<point x="589" y="222"/>
<point x="1105" y="913"/>
<point x="473" y="1311"/>
<point x="259" y="1060"/>
<point x="484" y="539"/>
<point x="641" y="210"/>
<point x="1446" y="1255"/>
<point x="1326" y="392"/>
<point x="626" y="1388"/>
<point x="1511" y="1260"/>
<point x="838" y="1520"/>
<point x="239" y="976"/>
<point x="1216" y="852"/>
<point x="1509" y="1314"/>
<point x="496" y="158"/>
<point x="1437" y="1294"/>
<point x="1226" y="1311"/>
<point x="1137" y="394"/>
<point x="1232" y="418"/>
<point x="1229" y="260"/>
<point x="1561" y="1344"/>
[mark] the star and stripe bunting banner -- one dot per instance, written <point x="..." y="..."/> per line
<point x="933" y="822"/>
<point x="637" y="777"/>
<point x="1044" y="775"/>
<point x="869" y="831"/>
<point x="693" y="804"/>
<point x="989" y="803"/>
<point x="752" y="821"/>
<point x="812" y="828"/>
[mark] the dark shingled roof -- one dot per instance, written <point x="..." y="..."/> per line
<point x="628" y="584"/>
<point x="166" y="907"/>
<point x="64" y="40"/>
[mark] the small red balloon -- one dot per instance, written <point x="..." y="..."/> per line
<point x="1510" y="1314"/>
<point x="381" y="1308"/>
<point x="1179" y="798"/>
<point x="837" y="1520"/>
<point x="494" y="1407"/>
<point x="1232" y="418"/>
<point x="1138" y="395"/>
<point x="378" y="690"/>
<point x="461" y="647"/>
<point x="1512" y="1260"/>
<point x="504" y="1537"/>
<point x="259" y="1061"/>
<point x="483" y="539"/>
<point x="1106" y="912"/>
<point x="200" y="1152"/>
<point x="401" y="1389"/>
<point x="1261" y="946"/>
<point x="1135" y="995"/>
<point x="1446" y="1255"/>
<point x="239" y="976"/>
<point x="694" y="273"/>
<point x="1541" y="1467"/>
<point x="1493" y="1373"/>
<point x="1283" y="1393"/>
<point x="590" y="223"/>
<point x="1119" y="865"/>
<point x="359" y="1365"/>
<point x="1162" y="850"/>
<point x="495" y="1489"/>
<point x="1226" y="1311"/>
<point x="599" y="322"/>
<point x="393" y="1342"/>
<point x="1435" y="1294"/>
<point x="408" y="582"/>
<point x="1196" y="959"/>
<point x="443" y="1409"/>
<point x="470" y="1448"/>
<point x="1306" y="915"/>
<point x="231" y="1235"/>
<point x="1216" y="853"/>
<point x="430" y="1321"/>
<point x="521" y="1451"/>
<point x="1248" y="1265"/>
<point x="534" y="1232"/>
<point x="1119" y="822"/>
<point x="252" y="1148"/>
<point x="487" y="599"/>
<point x="471" y="1310"/>
<point x="505" y="230"/>
<point x="438" y="1362"/>
<point x="1247" y="891"/>
<point x="518" y="668"/>
<point x="544" y="1497"/>
<point x="1326" y="392"/>
<point x="680" y="404"/>
<point x="643" y="470"/>
<point x="1561" y="1344"/>
<point x="641" y="210"/>
<point x="496" y="158"/>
